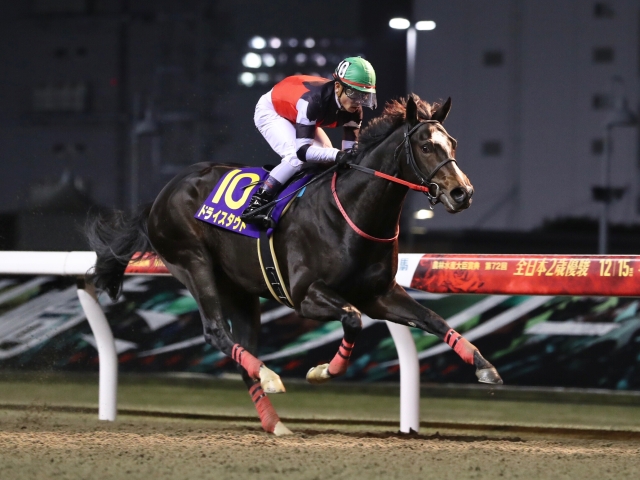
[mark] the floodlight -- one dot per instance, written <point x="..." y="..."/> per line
<point x="247" y="79"/>
<point x="423" y="214"/>
<point x="399" y="23"/>
<point x="268" y="60"/>
<point x="319" y="59"/>
<point x="425" y="25"/>
<point x="274" y="42"/>
<point x="257" y="42"/>
<point x="252" y="60"/>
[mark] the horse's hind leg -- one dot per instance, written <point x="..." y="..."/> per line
<point x="322" y="303"/>
<point x="217" y="300"/>
<point x="245" y="330"/>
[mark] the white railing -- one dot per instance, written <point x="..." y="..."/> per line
<point x="77" y="264"/>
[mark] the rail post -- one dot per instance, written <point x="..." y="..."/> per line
<point x="107" y="356"/>
<point x="409" y="377"/>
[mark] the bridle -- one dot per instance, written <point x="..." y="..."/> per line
<point x="424" y="180"/>
<point x="427" y="185"/>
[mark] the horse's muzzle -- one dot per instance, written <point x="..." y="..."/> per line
<point x="462" y="197"/>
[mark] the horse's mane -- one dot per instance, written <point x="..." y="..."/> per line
<point x="392" y="117"/>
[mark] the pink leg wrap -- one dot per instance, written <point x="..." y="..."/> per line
<point x="340" y="362"/>
<point x="268" y="416"/>
<point x="250" y="363"/>
<point x="460" y="345"/>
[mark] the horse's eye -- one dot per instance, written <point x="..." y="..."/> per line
<point x="427" y="148"/>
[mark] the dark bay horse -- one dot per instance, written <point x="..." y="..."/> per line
<point x="331" y="271"/>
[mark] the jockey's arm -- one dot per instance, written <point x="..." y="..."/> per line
<point x="350" y="134"/>
<point x="305" y="133"/>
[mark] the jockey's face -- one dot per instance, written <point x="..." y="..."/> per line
<point x="346" y="103"/>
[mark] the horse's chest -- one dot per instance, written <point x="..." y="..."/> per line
<point x="372" y="277"/>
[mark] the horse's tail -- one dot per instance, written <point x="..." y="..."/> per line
<point x="116" y="239"/>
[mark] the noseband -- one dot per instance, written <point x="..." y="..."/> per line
<point x="432" y="190"/>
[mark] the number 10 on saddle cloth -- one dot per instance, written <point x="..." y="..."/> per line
<point x="231" y="196"/>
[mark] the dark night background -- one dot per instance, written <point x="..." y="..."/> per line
<point x="102" y="101"/>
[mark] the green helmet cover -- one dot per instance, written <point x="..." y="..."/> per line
<point x="357" y="73"/>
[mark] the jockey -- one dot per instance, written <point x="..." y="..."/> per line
<point x="290" y="117"/>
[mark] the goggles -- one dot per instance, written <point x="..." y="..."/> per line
<point x="364" y="99"/>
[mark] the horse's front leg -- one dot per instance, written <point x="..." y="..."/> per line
<point x="398" y="307"/>
<point x="322" y="303"/>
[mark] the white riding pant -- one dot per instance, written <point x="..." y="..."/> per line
<point x="280" y="133"/>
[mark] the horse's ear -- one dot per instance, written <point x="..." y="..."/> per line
<point x="411" y="114"/>
<point x="441" y="113"/>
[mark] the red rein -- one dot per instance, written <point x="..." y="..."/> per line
<point x="353" y="225"/>
<point x="350" y="222"/>
<point x="412" y="186"/>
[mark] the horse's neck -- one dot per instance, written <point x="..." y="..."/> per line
<point x="374" y="204"/>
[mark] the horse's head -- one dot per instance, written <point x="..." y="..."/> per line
<point x="432" y="158"/>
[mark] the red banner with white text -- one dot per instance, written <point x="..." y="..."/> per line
<point x="529" y="274"/>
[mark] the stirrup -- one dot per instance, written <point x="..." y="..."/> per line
<point x="263" y="223"/>
<point x="261" y="219"/>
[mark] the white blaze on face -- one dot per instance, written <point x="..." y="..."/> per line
<point x="439" y="138"/>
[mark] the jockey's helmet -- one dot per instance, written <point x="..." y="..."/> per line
<point x="357" y="77"/>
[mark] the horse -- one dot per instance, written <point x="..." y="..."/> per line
<point x="336" y="246"/>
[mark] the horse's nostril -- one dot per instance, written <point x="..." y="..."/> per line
<point x="460" y="195"/>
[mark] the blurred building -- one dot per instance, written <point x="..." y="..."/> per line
<point x="533" y="83"/>
<point x="121" y="93"/>
<point x="125" y="93"/>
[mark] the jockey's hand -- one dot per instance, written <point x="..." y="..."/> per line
<point x="343" y="158"/>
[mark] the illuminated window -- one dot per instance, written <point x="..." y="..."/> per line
<point x="68" y="97"/>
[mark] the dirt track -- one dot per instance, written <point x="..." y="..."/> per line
<point x="41" y="445"/>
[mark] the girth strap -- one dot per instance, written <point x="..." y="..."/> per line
<point x="271" y="271"/>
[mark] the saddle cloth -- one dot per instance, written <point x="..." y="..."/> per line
<point x="231" y="196"/>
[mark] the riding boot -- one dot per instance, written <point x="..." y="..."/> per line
<point x="266" y="193"/>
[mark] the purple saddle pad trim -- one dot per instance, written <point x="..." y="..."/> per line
<point x="231" y="196"/>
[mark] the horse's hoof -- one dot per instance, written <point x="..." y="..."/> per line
<point x="489" y="375"/>
<point x="270" y="381"/>
<point x="280" y="430"/>
<point x="319" y="374"/>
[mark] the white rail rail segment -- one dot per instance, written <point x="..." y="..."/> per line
<point x="78" y="264"/>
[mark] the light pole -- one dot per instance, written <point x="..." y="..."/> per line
<point x="620" y="116"/>
<point x="412" y="36"/>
